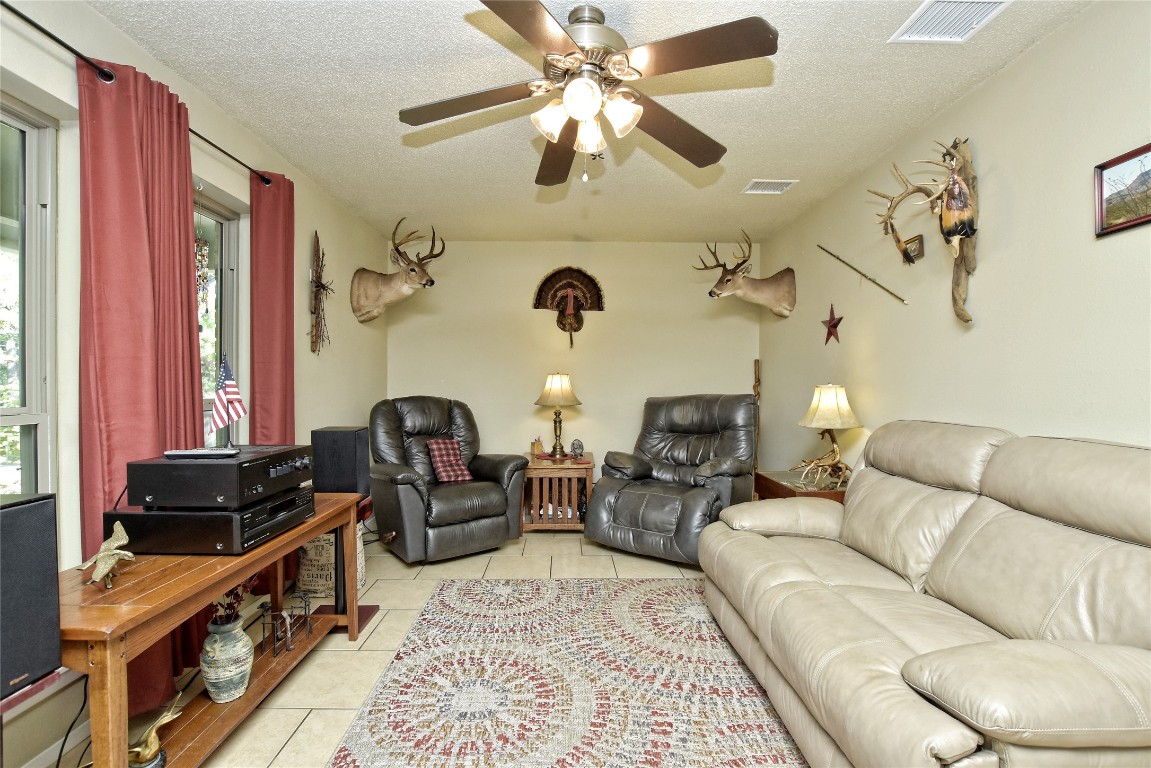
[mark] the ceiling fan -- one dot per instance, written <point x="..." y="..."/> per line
<point x="592" y="68"/>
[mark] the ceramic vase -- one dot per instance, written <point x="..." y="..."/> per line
<point x="226" y="661"/>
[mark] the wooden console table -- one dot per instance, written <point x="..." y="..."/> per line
<point x="552" y="493"/>
<point x="102" y="630"/>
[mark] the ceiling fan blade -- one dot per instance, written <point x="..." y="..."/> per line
<point x="558" y="157"/>
<point x="681" y="137"/>
<point x="747" y="38"/>
<point x="438" y="110"/>
<point x="535" y="24"/>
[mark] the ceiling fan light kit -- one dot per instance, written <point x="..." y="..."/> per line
<point x="550" y="120"/>
<point x="622" y="112"/>
<point x="589" y="137"/>
<point x="583" y="94"/>
<point x="589" y="62"/>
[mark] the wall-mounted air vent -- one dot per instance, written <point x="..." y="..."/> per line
<point x="768" y="186"/>
<point x="947" y="21"/>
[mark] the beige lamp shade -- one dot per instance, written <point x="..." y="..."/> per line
<point x="558" y="391"/>
<point x="829" y="409"/>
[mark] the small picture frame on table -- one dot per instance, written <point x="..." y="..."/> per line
<point x="1123" y="191"/>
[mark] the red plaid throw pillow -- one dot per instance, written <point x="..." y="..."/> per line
<point x="447" y="461"/>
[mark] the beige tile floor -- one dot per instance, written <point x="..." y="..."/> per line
<point x="300" y="723"/>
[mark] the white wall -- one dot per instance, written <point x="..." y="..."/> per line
<point x="475" y="337"/>
<point x="1061" y="339"/>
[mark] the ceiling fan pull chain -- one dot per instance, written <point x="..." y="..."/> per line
<point x="584" y="177"/>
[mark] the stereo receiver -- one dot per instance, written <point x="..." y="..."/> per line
<point x="255" y="473"/>
<point x="211" y="531"/>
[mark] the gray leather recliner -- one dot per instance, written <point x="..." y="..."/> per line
<point x="433" y="520"/>
<point x="693" y="457"/>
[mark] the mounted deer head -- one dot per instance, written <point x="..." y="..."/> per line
<point x="373" y="292"/>
<point x="955" y="201"/>
<point x="777" y="292"/>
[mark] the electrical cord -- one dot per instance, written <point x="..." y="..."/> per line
<point x="67" y="733"/>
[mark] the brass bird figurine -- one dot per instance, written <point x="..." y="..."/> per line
<point x="145" y="749"/>
<point x="109" y="554"/>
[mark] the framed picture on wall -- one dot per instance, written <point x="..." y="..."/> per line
<point x="1123" y="191"/>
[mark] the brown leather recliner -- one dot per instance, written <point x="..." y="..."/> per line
<point x="693" y="457"/>
<point x="434" y="520"/>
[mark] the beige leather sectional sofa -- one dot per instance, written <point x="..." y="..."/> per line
<point x="980" y="599"/>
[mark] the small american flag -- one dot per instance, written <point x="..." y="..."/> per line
<point x="229" y="406"/>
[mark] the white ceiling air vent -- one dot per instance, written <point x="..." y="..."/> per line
<point x="947" y="21"/>
<point x="768" y="186"/>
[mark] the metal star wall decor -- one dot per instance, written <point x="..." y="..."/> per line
<point x="832" y="323"/>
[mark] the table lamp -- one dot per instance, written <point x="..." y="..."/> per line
<point x="558" y="392"/>
<point x="828" y="412"/>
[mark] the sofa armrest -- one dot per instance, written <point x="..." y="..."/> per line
<point x="497" y="467"/>
<point x="806" y="516"/>
<point x="721" y="466"/>
<point x="397" y="474"/>
<point x="1041" y="693"/>
<point x="626" y="466"/>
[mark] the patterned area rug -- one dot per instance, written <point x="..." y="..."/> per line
<point x="567" y="672"/>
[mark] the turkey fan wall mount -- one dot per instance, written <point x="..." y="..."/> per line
<point x="588" y="71"/>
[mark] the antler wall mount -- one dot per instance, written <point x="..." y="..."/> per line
<point x="373" y="292"/>
<point x="777" y="292"/>
<point x="589" y="62"/>
<point x="955" y="201"/>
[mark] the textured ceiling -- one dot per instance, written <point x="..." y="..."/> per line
<point x="322" y="83"/>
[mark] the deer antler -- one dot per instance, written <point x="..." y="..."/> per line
<point x="432" y="252"/>
<point x="717" y="265"/>
<point x="893" y="201"/>
<point x="744" y="255"/>
<point x="402" y="258"/>
<point x="398" y="254"/>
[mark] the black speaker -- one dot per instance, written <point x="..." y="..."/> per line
<point x="340" y="462"/>
<point x="29" y="591"/>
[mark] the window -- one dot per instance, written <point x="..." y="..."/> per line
<point x="216" y="245"/>
<point x="27" y="391"/>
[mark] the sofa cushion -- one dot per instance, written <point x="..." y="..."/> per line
<point x="745" y="565"/>
<point x="900" y="523"/>
<point x="944" y="455"/>
<point x="916" y="480"/>
<point x="1035" y="579"/>
<point x="1076" y="694"/>
<point x="1101" y="487"/>
<point x="453" y="503"/>
<point x="843" y="648"/>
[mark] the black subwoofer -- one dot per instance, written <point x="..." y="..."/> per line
<point x="29" y="591"/>
<point x="340" y="462"/>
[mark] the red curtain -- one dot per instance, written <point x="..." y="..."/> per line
<point x="139" y="347"/>
<point x="272" y="411"/>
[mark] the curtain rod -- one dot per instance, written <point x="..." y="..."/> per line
<point x="108" y="76"/>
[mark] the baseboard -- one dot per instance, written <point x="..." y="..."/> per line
<point x="47" y="759"/>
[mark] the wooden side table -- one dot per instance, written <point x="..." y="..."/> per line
<point x="786" y="484"/>
<point x="101" y="629"/>
<point x="555" y="492"/>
